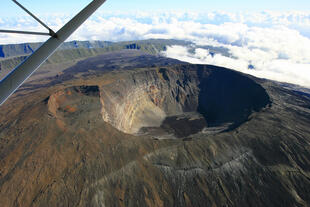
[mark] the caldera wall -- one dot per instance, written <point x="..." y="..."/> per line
<point x="144" y="98"/>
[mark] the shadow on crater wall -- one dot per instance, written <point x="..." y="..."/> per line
<point x="228" y="97"/>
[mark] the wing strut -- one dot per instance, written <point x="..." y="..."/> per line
<point x="22" y="72"/>
<point x="24" y="32"/>
<point x="51" y="32"/>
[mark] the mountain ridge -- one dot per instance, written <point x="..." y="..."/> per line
<point x="77" y="50"/>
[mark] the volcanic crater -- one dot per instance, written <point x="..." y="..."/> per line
<point x="169" y="102"/>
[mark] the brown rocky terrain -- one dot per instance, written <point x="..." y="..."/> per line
<point x="129" y="129"/>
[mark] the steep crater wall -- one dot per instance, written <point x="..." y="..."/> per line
<point x="179" y="99"/>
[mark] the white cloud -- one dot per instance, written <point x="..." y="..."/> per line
<point x="275" y="43"/>
<point x="283" y="70"/>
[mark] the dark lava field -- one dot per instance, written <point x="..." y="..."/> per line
<point x="131" y="129"/>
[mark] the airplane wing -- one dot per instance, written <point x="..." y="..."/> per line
<point x="22" y="72"/>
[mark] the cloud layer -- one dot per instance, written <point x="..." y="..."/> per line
<point x="274" y="45"/>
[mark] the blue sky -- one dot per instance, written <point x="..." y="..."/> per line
<point x="72" y="6"/>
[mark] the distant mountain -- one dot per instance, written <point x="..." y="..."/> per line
<point x="151" y="46"/>
<point x="13" y="50"/>
<point x="12" y="55"/>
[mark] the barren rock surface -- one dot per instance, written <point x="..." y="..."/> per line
<point x="173" y="134"/>
<point x="146" y="97"/>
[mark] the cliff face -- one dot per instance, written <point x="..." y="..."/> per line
<point x="147" y="98"/>
<point x="202" y="136"/>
